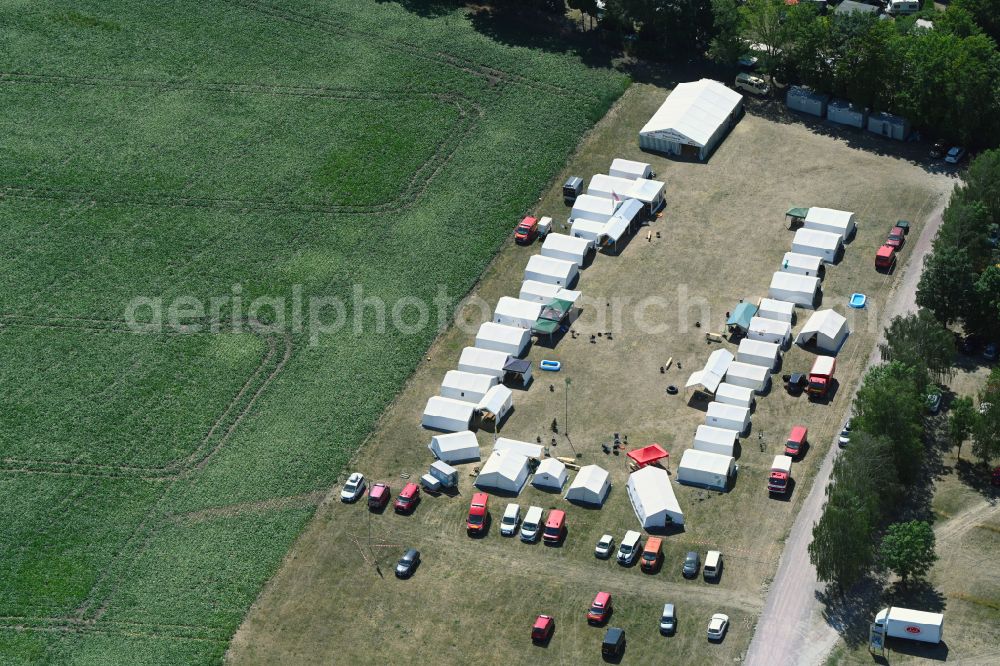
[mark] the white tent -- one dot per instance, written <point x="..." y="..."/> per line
<point x="715" y="440"/>
<point x="709" y="470"/>
<point x="798" y="289"/>
<point x="526" y="449"/>
<point x="567" y="248"/>
<point x="625" y="220"/>
<point x="827" y="329"/>
<point x="447" y="414"/>
<point x="553" y="271"/>
<point x="589" y="207"/>
<point x="589" y="230"/>
<point x="511" y="340"/>
<point x="505" y="471"/>
<point x="543" y="292"/>
<point x="770" y="330"/>
<point x="803" y="264"/>
<point x="692" y="120"/>
<point x="653" y="498"/>
<point x="822" y="244"/>
<point x="758" y="352"/>
<point x="608" y="187"/>
<point x="591" y="486"/>
<point x="550" y="475"/>
<point x="649" y="192"/>
<point x="630" y="169"/>
<point x="728" y="417"/>
<point x="779" y="310"/>
<point x="516" y="312"/>
<point x="466" y="386"/>
<point x="483" y="361"/>
<point x="754" y="377"/>
<point x="708" y="378"/>
<point x="838" y="222"/>
<point x="731" y="394"/>
<point x="496" y="403"/>
<point x="456" y="447"/>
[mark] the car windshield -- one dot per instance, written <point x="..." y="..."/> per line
<point x="551" y="530"/>
<point x="597" y="608"/>
<point x="778" y="482"/>
<point x="351" y="485"/>
<point x="509" y="520"/>
<point x="475" y="520"/>
<point x="524" y="228"/>
<point x="649" y="556"/>
<point x="625" y="549"/>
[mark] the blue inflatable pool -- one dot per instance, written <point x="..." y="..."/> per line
<point x="857" y="300"/>
<point x="551" y="366"/>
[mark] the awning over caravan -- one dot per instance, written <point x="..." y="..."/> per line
<point x="653" y="498"/>
<point x="447" y="414"/>
<point x="567" y="248"/>
<point x="591" y="486"/>
<point x="770" y="330"/>
<point x="741" y="315"/>
<point x="799" y="289"/>
<point x="511" y="340"/>
<point x="543" y="292"/>
<point x="553" y="271"/>
<point x="550" y="475"/>
<point x="838" y="222"/>
<point x="455" y="448"/>
<point x="505" y="471"/>
<point x="483" y="361"/>
<point x="779" y="310"/>
<point x="708" y="378"/>
<point x="466" y="386"/>
<point x="827" y="329"/>
<point x="758" y="352"/>
<point x="715" y="440"/>
<point x="526" y="449"/>
<point x="516" y="312"/>
<point x="822" y="244"/>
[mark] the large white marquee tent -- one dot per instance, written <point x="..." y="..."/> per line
<point x="653" y="498"/>
<point x="692" y="120"/>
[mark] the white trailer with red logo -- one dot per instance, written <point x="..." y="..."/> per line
<point x="911" y="624"/>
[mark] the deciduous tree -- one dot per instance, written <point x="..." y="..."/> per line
<point x="908" y="549"/>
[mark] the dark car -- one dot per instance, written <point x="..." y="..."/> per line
<point x="613" y="644"/>
<point x="408" y="563"/>
<point x="990" y="352"/>
<point x="796" y="382"/>
<point x="938" y="149"/>
<point x="691" y="564"/>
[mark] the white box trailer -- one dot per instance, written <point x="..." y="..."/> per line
<point x="455" y="448"/>
<point x="913" y="625"/>
<point x="801" y="98"/>
<point x="466" y="386"/>
<point x="609" y="187"/>
<point x="770" y="330"/>
<point x="770" y="308"/>
<point x="705" y="469"/>
<point x="483" y="362"/>
<point x="715" y="440"/>
<point x="590" y="207"/>
<point x="623" y="168"/>
<point x="567" y="248"/>
<point x="728" y="417"/>
<point x="758" y="352"/>
<point x="802" y="264"/>
<point x="445" y="473"/>
<point x="516" y="312"/>
<point x="447" y="414"/>
<point x="845" y="112"/>
<point x="511" y="340"/>
<point x="544" y="293"/>
<point x="554" y="271"/>
<point x="822" y="244"/>
<point x="731" y="394"/>
<point x="590" y="230"/>
<point x="830" y="220"/>
<point x="799" y="289"/>
<point x="754" y="377"/>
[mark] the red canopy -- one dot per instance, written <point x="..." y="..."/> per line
<point x="648" y="455"/>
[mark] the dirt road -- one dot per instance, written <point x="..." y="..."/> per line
<point x="791" y="630"/>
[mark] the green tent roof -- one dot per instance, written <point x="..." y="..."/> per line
<point x="556" y="309"/>
<point x="742" y="315"/>
<point x="798" y="212"/>
<point x="545" y="326"/>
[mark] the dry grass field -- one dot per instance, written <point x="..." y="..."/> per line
<point x="718" y="241"/>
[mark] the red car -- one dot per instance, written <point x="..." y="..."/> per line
<point x="378" y="496"/>
<point x="542" y="630"/>
<point x="476" y="522"/>
<point x="408" y="499"/>
<point x="527" y="231"/>
<point x="600" y="610"/>
<point x="896" y="237"/>
<point x="885" y="258"/>
<point x="796" y="442"/>
<point x="555" y="527"/>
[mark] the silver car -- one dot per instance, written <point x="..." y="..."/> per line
<point x="717" y="627"/>
<point x="605" y="546"/>
<point x="353" y="488"/>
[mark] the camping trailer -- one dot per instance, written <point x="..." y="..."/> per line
<point x="845" y="112"/>
<point x="716" y="440"/>
<point x="802" y="264"/>
<point x="505" y="471"/>
<point x="653" y="498"/>
<point x="502" y="338"/>
<point x="823" y="244"/>
<point x="567" y="248"/>
<point x="754" y="377"/>
<point x="623" y="168"/>
<point x="826" y="329"/>
<point x="778" y="310"/>
<point x="798" y="289"/>
<point x="483" y="362"/>
<point x="770" y="330"/>
<point x="832" y="221"/>
<point x="731" y="394"/>
<point x="889" y="125"/>
<point x="591" y="486"/>
<point x="728" y="417"/>
<point x="466" y="386"/>
<point x="553" y="271"/>
<point x="447" y="414"/>
<point x="516" y="312"/>
<point x="805" y="100"/>
<point x="589" y="207"/>
<point x="758" y="352"/>
<point x="705" y="469"/>
<point x="455" y="448"/>
<point x="550" y="475"/>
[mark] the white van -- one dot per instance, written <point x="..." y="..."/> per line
<point x="532" y="525"/>
<point x="751" y="84"/>
<point x="511" y="517"/>
<point x="629" y="548"/>
<point x="902" y="7"/>
<point x="713" y="565"/>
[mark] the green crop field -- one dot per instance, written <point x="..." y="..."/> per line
<point x="186" y="160"/>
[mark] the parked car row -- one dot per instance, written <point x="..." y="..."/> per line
<point x="650" y="555"/>
<point x="552" y="530"/>
<point x="885" y="256"/>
